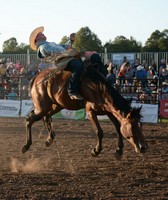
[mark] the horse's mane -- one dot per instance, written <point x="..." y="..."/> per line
<point x="120" y="102"/>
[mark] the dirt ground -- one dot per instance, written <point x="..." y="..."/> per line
<point x="67" y="171"/>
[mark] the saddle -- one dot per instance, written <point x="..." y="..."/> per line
<point x="61" y="60"/>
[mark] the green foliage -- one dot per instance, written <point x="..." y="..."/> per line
<point x="11" y="46"/>
<point x="122" y="44"/>
<point x="87" y="40"/>
<point x="157" y="42"/>
<point x="64" y="40"/>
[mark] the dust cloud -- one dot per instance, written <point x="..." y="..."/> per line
<point x="31" y="165"/>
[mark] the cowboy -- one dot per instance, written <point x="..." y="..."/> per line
<point x="89" y="57"/>
<point x="45" y="49"/>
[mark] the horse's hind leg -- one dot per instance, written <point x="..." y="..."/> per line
<point x="93" y="118"/>
<point x="51" y="133"/>
<point x="30" y="119"/>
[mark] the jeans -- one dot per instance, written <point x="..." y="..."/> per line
<point x="76" y="67"/>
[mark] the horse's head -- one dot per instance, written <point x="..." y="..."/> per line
<point x="132" y="131"/>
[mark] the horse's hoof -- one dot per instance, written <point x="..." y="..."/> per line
<point x="48" y="142"/>
<point x="94" y="153"/>
<point x="53" y="135"/>
<point x="24" y="149"/>
<point x="118" y="155"/>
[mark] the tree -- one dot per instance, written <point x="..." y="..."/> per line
<point x="163" y="41"/>
<point x="157" y="42"/>
<point x="10" y="46"/>
<point x="122" y="44"/>
<point x="86" y="39"/>
<point x="64" y="40"/>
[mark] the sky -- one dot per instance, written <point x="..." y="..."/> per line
<point x="106" y="18"/>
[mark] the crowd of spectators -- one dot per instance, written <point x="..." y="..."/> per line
<point x="14" y="79"/>
<point x="140" y="81"/>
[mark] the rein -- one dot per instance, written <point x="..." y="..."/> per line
<point x="50" y="75"/>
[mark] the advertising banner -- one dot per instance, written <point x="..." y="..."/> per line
<point x="9" y="108"/>
<point x="70" y="114"/>
<point x="149" y="112"/>
<point x="14" y="108"/>
<point x="26" y="107"/>
<point x="118" y="58"/>
<point x="164" y="108"/>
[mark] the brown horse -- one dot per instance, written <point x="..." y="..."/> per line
<point x="49" y="95"/>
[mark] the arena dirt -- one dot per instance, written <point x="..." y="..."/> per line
<point x="67" y="171"/>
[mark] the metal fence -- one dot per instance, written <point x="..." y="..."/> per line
<point x="147" y="56"/>
<point x="25" y="59"/>
<point x="18" y="90"/>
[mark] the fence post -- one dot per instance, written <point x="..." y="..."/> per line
<point x="105" y="55"/>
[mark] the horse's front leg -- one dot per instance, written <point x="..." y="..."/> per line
<point x="30" y="119"/>
<point x="119" y="150"/>
<point x="51" y="133"/>
<point x="93" y="118"/>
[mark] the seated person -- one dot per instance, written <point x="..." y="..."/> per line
<point x="12" y="95"/>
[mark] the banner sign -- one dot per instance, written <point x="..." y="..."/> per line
<point x="149" y="112"/>
<point x="164" y="108"/>
<point x="26" y="107"/>
<point x="14" y="108"/>
<point x="9" y="108"/>
<point x="118" y="58"/>
<point x="70" y="114"/>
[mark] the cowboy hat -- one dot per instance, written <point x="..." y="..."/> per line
<point x="34" y="35"/>
<point x="140" y="67"/>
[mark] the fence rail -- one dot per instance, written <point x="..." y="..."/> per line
<point x="148" y="56"/>
<point x="138" y="94"/>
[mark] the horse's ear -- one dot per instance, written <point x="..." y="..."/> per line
<point x="139" y="109"/>
<point x="135" y="113"/>
<point x="129" y="101"/>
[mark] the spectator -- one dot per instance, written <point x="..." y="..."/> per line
<point x="14" y="78"/>
<point x="154" y="65"/>
<point x="155" y="81"/>
<point x="18" y="65"/>
<point x="141" y="75"/>
<point x="136" y="64"/>
<point x="2" y="68"/>
<point x="109" y="62"/>
<point x="162" y="66"/>
<point x="32" y="70"/>
<point x="2" y="90"/>
<point x="150" y="74"/>
<point x="154" y="93"/>
<point x="12" y="95"/>
<point x="9" y="68"/>
<point x="145" y="65"/>
<point x="164" y="90"/>
<point x="111" y="77"/>
<point x="122" y="72"/>
<point x="6" y="85"/>
<point x="164" y="74"/>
